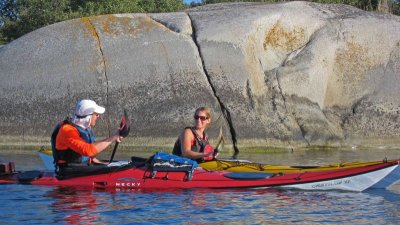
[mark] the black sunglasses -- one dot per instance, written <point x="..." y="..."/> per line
<point x="202" y="118"/>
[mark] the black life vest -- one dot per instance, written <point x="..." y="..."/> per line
<point x="199" y="143"/>
<point x="63" y="157"/>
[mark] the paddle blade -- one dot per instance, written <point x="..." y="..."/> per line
<point x="125" y="125"/>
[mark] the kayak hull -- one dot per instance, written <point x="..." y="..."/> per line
<point x="131" y="177"/>
<point x="353" y="183"/>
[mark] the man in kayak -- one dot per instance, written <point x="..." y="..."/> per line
<point x="74" y="138"/>
<point x="193" y="142"/>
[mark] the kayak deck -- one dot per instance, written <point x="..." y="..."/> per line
<point x="244" y="166"/>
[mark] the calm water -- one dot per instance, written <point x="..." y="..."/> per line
<point x="26" y="204"/>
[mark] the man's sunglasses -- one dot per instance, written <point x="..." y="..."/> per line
<point x="202" y="118"/>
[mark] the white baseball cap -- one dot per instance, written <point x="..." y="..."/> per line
<point x="88" y="107"/>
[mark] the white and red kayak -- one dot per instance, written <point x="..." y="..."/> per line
<point x="139" y="176"/>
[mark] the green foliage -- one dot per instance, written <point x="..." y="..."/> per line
<point x="8" y="10"/>
<point x="33" y="14"/>
<point x="395" y="7"/>
<point x="99" y="7"/>
<point x="155" y="6"/>
<point x="2" y="40"/>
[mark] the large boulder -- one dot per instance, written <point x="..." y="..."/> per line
<point x="281" y="75"/>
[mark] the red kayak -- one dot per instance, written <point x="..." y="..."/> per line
<point x="140" y="176"/>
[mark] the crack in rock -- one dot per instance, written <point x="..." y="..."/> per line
<point x="103" y="61"/>
<point x="224" y="109"/>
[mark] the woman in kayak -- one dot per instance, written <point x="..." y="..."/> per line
<point x="193" y="142"/>
<point x="74" y="138"/>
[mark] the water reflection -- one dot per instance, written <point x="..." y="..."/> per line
<point x="74" y="206"/>
<point x="27" y="204"/>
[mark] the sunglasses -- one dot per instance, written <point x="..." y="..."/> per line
<point x="95" y="114"/>
<point x="202" y="118"/>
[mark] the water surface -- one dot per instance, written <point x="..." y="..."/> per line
<point x="28" y="204"/>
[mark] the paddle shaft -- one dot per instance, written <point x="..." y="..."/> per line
<point x="216" y="150"/>
<point x="219" y="142"/>
<point x="113" y="153"/>
<point x="124" y="129"/>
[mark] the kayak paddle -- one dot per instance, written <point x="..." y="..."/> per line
<point x="123" y="130"/>
<point x="221" y="140"/>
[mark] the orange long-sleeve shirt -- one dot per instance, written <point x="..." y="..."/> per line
<point x="68" y="137"/>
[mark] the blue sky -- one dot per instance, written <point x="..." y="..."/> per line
<point x="189" y="1"/>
